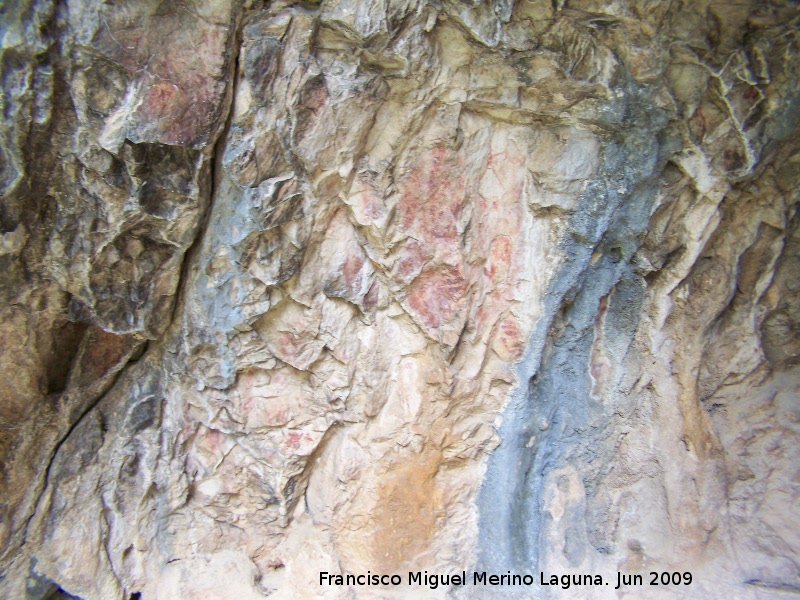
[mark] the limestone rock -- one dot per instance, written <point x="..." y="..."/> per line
<point x="391" y="286"/>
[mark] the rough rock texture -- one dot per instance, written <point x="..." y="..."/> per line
<point x="292" y="287"/>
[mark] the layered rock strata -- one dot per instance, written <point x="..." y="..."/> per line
<point x="302" y="287"/>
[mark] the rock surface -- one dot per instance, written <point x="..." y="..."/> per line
<point x="293" y="287"/>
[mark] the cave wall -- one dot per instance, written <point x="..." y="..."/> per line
<point x="292" y="287"/>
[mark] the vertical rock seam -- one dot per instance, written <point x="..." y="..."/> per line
<point x="304" y="287"/>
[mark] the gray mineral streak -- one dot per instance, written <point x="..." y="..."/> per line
<point x="398" y="285"/>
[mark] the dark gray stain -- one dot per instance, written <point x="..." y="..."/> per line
<point x="553" y="421"/>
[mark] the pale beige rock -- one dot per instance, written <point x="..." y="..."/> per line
<point x="385" y="286"/>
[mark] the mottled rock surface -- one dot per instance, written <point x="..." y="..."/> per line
<point x="291" y="287"/>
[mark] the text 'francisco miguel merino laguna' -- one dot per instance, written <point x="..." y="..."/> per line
<point x="433" y="580"/>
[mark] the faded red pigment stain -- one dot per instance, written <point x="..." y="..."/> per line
<point x="373" y="206"/>
<point x="103" y="351"/>
<point x="288" y="345"/>
<point x="314" y="96"/>
<point x="300" y="442"/>
<point x="500" y="256"/>
<point x="369" y="207"/>
<point x="436" y="295"/>
<point x="429" y="208"/>
<point x="180" y="116"/>
<point x="161" y="97"/>
<point x="352" y="267"/>
<point x="271" y="405"/>
<point x="347" y="271"/>
<point x="496" y="245"/>
<point x="262" y="400"/>
<point x="498" y="219"/>
<point x="452" y="274"/>
<point x="371" y="298"/>
<point x="432" y="197"/>
<point x="353" y="273"/>
<point x="509" y="343"/>
<point x="267" y="412"/>
<point x="504" y="163"/>
<point x="411" y="260"/>
<point x="211" y="442"/>
<point x="180" y="69"/>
